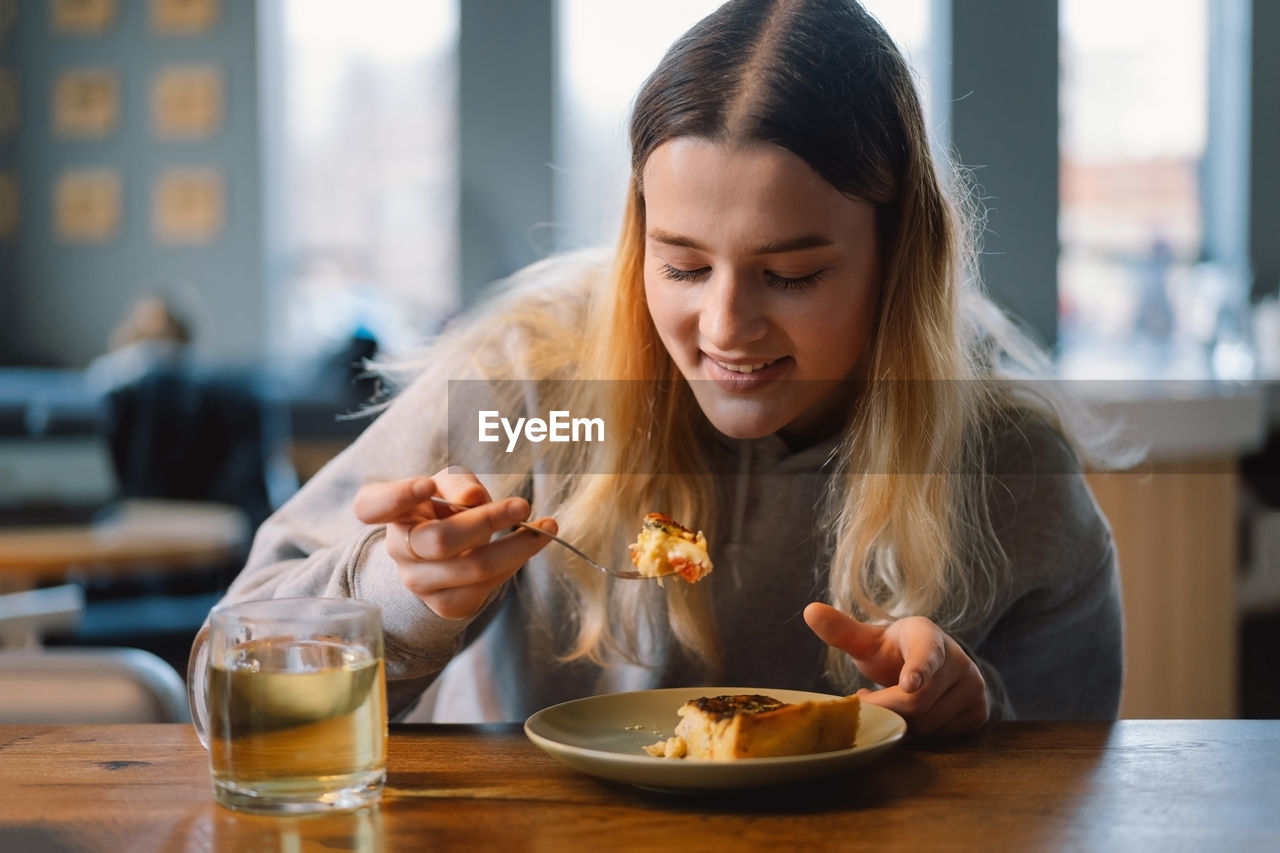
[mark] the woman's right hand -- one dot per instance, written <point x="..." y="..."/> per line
<point x="448" y="558"/>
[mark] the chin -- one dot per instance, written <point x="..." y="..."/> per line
<point x="734" y="422"/>
<point x="742" y="433"/>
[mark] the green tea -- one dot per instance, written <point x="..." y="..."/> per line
<point x="297" y="718"/>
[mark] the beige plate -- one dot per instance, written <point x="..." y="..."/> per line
<point x="605" y="736"/>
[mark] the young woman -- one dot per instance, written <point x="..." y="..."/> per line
<point x="791" y="353"/>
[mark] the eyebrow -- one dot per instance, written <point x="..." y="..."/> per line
<point x="769" y="247"/>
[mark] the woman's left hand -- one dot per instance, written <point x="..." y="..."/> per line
<point x="931" y="682"/>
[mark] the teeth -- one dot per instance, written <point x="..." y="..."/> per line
<point x="743" y="368"/>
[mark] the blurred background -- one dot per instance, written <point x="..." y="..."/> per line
<point x="249" y="198"/>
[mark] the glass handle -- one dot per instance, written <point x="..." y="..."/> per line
<point x="198" y="685"/>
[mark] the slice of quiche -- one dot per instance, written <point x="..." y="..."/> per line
<point x="727" y="728"/>
<point x="665" y="546"/>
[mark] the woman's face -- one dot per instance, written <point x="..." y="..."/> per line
<point x="762" y="280"/>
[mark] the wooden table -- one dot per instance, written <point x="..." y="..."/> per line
<point x="140" y="536"/>
<point x="1132" y="785"/>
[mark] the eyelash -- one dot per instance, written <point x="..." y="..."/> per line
<point x="780" y="282"/>
<point x="677" y="274"/>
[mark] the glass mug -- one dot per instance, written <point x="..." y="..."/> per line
<point x="289" y="696"/>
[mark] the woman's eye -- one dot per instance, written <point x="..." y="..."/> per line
<point x="677" y="274"/>
<point x="772" y="279"/>
<point x="798" y="283"/>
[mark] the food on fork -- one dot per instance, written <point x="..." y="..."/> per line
<point x="665" y="546"/>
<point x="726" y="728"/>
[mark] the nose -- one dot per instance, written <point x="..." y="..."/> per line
<point x="731" y="313"/>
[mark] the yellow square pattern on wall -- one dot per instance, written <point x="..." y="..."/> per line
<point x="186" y="102"/>
<point x="88" y="205"/>
<point x="8" y="206"/>
<point x="183" y="17"/>
<point x="8" y="14"/>
<point x="8" y="103"/>
<point x="187" y="206"/>
<point x="86" y="103"/>
<point x="82" y="17"/>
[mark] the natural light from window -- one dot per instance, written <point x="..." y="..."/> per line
<point x="1136" y="298"/>
<point x="368" y="171"/>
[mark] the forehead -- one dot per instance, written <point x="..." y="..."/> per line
<point x="711" y="188"/>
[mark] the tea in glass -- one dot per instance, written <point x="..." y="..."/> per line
<point x="295" y="714"/>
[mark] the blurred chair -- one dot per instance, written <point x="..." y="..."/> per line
<point x="83" y="685"/>
<point x="77" y="685"/>
<point x="26" y="616"/>
<point x="192" y="435"/>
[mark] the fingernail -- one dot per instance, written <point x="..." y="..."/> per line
<point x="517" y="510"/>
<point x="914" y="682"/>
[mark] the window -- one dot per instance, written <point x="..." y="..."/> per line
<point x="364" y="171"/>
<point x="916" y="27"/>
<point x="1145" y="291"/>
<point x="606" y="52"/>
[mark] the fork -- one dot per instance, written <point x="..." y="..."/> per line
<point x="617" y="573"/>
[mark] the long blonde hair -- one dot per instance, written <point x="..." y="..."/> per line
<point x="905" y="515"/>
